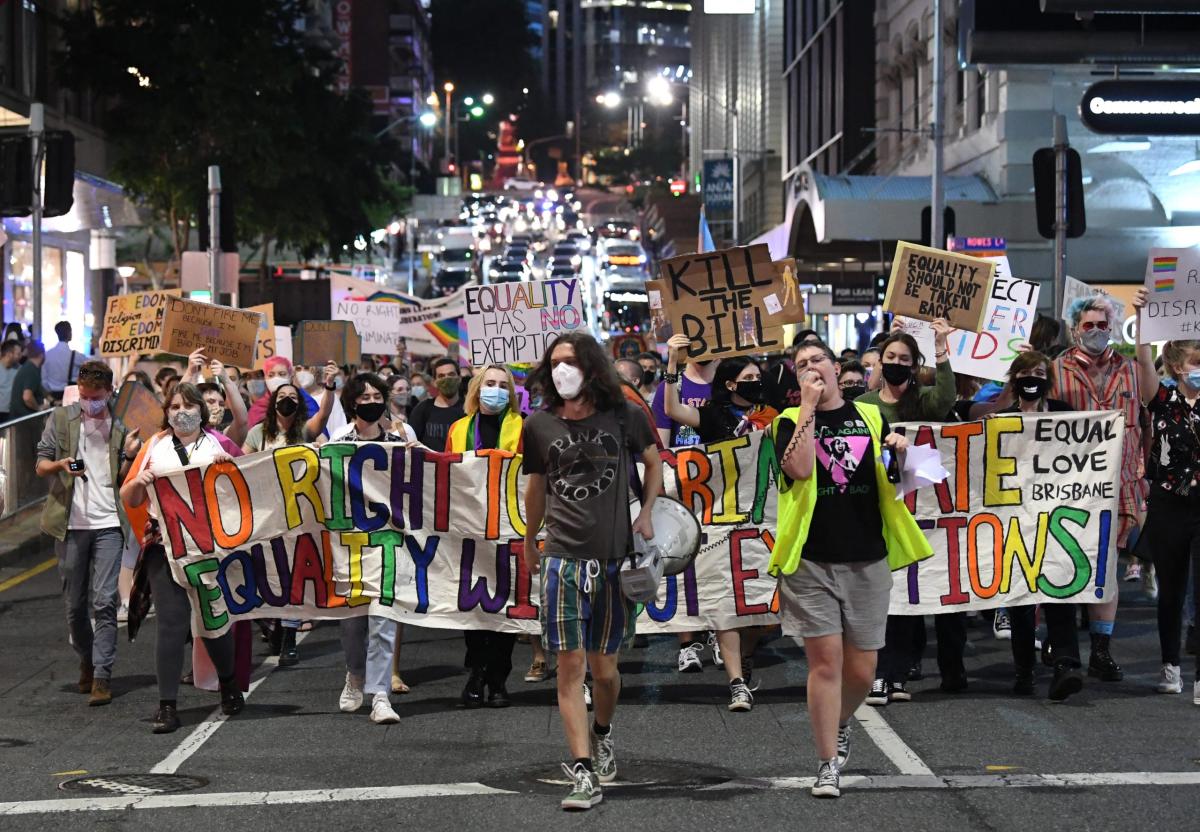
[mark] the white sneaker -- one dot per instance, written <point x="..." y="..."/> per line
<point x="382" y="712"/>
<point x="1170" y="679"/>
<point x="1001" y="626"/>
<point x="123" y="613"/>
<point x="1196" y="692"/>
<point x="587" y="695"/>
<point x="689" y="658"/>
<point x="352" y="695"/>
<point x="715" y="646"/>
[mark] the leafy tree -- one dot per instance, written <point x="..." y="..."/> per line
<point x="190" y="83"/>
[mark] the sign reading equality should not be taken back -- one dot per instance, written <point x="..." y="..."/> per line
<point x="928" y="283"/>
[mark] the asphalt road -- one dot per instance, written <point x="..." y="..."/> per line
<point x="1118" y="756"/>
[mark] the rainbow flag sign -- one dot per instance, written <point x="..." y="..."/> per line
<point x="1173" y="310"/>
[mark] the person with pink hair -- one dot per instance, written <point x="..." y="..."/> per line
<point x="278" y="371"/>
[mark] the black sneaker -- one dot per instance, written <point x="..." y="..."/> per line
<point x="1067" y="681"/>
<point x="288" y="655"/>
<point x="472" y="695"/>
<point x="916" y="673"/>
<point x="899" y="693"/>
<point x="1023" y="682"/>
<point x="829" y="781"/>
<point x="843" y="745"/>
<point x="498" y="697"/>
<point x="955" y="683"/>
<point x="232" y="700"/>
<point x="166" y="721"/>
<point x="878" y="697"/>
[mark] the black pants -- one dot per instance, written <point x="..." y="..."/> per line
<point x="906" y="642"/>
<point x="1060" y="632"/>
<point x="490" y="654"/>
<point x="1174" y="528"/>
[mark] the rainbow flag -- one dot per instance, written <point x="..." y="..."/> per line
<point x="1165" y="264"/>
<point x="446" y="332"/>
<point x="1164" y="284"/>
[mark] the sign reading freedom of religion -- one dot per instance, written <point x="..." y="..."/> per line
<point x="1028" y="515"/>
<point x="729" y="302"/>
<point x="516" y="323"/>
<point x="1172" y="311"/>
<point x="928" y="283"/>
<point x="133" y="323"/>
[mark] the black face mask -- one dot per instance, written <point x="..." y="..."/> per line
<point x="370" y="412"/>
<point x="896" y="374"/>
<point x="751" y="391"/>
<point x="1031" y="388"/>
<point x="286" y="407"/>
<point x="648" y="377"/>
<point x="853" y="391"/>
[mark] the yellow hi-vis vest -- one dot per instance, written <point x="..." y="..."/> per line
<point x="906" y="543"/>
<point x="462" y="434"/>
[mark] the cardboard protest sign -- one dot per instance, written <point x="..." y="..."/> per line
<point x="229" y="335"/>
<point x="265" y="348"/>
<point x="384" y="316"/>
<point x="513" y="323"/>
<point x="1074" y="289"/>
<point x="729" y="302"/>
<point x="929" y="283"/>
<point x="1172" y="311"/>
<point x="1007" y="320"/>
<point x="437" y="546"/>
<point x="138" y="407"/>
<point x="133" y="323"/>
<point x="319" y="341"/>
<point x="1027" y="516"/>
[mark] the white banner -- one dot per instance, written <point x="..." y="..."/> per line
<point x="515" y="323"/>
<point x="383" y="316"/>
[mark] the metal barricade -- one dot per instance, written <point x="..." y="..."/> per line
<point x="21" y="486"/>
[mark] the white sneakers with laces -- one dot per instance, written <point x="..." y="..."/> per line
<point x="382" y="712"/>
<point x="689" y="658"/>
<point x="829" y="780"/>
<point x="1170" y="679"/>
<point x="1001" y="626"/>
<point x="352" y="695"/>
<point x="715" y="646"/>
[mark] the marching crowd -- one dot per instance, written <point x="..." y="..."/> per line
<point x="581" y="420"/>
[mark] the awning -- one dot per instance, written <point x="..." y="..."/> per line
<point x="98" y="204"/>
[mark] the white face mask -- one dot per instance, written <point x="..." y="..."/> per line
<point x="275" y="382"/>
<point x="305" y="379"/>
<point x="568" y="380"/>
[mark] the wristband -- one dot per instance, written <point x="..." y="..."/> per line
<point x="671" y="378"/>
<point x="330" y="386"/>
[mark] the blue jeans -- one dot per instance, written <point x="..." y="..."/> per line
<point x="89" y="562"/>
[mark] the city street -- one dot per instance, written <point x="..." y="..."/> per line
<point x="1111" y="758"/>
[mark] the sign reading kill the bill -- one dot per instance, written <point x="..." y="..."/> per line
<point x="226" y="334"/>
<point x="515" y="323"/>
<point x="928" y="283"/>
<point x="729" y="302"/>
<point x="1173" y="307"/>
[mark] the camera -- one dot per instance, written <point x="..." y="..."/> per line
<point x="75" y="466"/>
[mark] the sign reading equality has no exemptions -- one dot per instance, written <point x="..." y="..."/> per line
<point x="515" y="323"/>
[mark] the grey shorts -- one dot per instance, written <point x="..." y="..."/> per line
<point x="825" y="599"/>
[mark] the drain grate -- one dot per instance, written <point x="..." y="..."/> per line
<point x="133" y="784"/>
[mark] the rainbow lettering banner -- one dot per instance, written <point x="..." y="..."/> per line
<point x="1028" y="515"/>
<point x="1173" y="310"/>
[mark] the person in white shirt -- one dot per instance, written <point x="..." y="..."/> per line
<point x="62" y="363"/>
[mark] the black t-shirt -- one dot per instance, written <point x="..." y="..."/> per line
<point x="782" y="389"/>
<point x="489" y="430"/>
<point x="846" y="525"/>
<point x="432" y="424"/>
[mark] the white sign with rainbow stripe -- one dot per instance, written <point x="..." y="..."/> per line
<point x="1172" y="312"/>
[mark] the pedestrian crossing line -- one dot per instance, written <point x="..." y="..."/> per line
<point x="203" y="732"/>
<point x="888" y="741"/>
<point x="850" y="783"/>
<point x="32" y="572"/>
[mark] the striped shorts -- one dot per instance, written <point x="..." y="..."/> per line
<point x="583" y="607"/>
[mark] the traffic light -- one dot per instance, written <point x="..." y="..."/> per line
<point x="1043" y="189"/>
<point x="59" y="167"/>
<point x="927" y="221"/>
<point x="16" y="173"/>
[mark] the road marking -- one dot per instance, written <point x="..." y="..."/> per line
<point x="27" y="574"/>
<point x="429" y="790"/>
<point x="895" y="749"/>
<point x="68" y="773"/>
<point x="204" y="731"/>
<point x="193" y="801"/>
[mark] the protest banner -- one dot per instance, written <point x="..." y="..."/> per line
<point x="1172" y="311"/>
<point x="434" y="539"/>
<point x="133" y="323"/>
<point x="229" y="335"/>
<point x="729" y="302"/>
<point x="1027" y="516"/>
<point x="516" y="323"/>
<point x="265" y="347"/>
<point x="138" y="407"/>
<point x="316" y="342"/>
<point x="1007" y="320"/>
<point x="1074" y="289"/>
<point x="383" y="316"/>
<point x="928" y="283"/>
